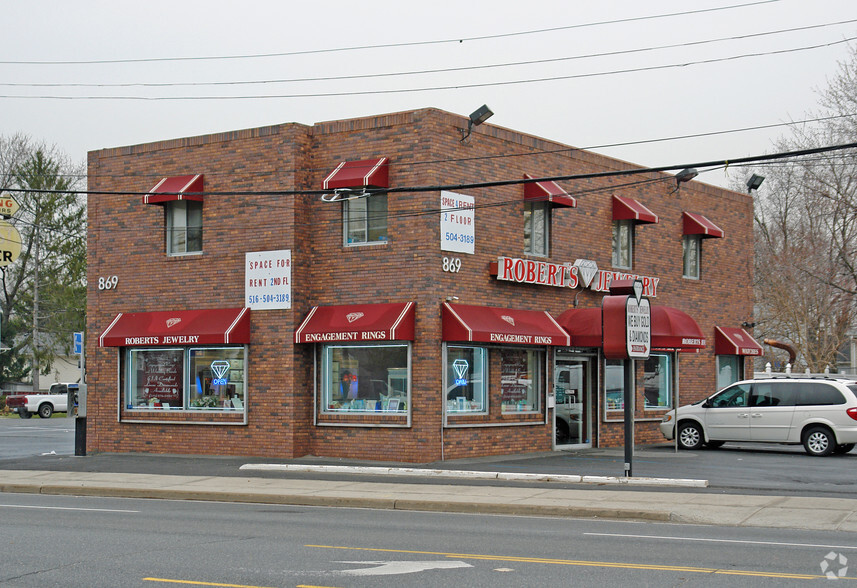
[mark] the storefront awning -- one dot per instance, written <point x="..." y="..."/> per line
<point x="180" y="327"/>
<point x="358" y="322"/>
<point x="625" y="208"/>
<point x="359" y="174"/>
<point x="735" y="341"/>
<point x="672" y="329"/>
<point x="176" y="188"/>
<point x="696" y="224"/>
<point x="547" y="192"/>
<point x="488" y="324"/>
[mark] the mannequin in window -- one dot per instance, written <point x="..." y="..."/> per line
<point x="348" y="386"/>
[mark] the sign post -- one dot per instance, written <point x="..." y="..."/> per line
<point x="627" y="332"/>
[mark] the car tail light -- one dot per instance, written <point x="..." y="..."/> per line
<point x="852" y="412"/>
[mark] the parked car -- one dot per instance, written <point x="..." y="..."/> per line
<point x="819" y="413"/>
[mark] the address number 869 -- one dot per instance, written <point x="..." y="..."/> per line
<point x="108" y="283"/>
<point x="452" y="264"/>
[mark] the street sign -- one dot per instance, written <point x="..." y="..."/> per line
<point x="8" y="205"/>
<point x="638" y="327"/>
<point x="10" y="243"/>
<point x="78" y="342"/>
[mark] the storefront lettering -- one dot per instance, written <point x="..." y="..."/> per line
<point x="343" y="336"/>
<point x="142" y="340"/>
<point x="750" y="351"/>
<point x="689" y="341"/>
<point x="181" y="340"/>
<point x="373" y="335"/>
<point x="525" y="339"/>
<point x="565" y="275"/>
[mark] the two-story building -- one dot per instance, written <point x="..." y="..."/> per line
<point x="390" y="288"/>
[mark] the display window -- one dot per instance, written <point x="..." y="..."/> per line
<point x="521" y="379"/>
<point x="614" y="386"/>
<point x="366" y="378"/>
<point x="203" y="378"/>
<point x="466" y="375"/>
<point x="657" y="382"/>
<point x="730" y="369"/>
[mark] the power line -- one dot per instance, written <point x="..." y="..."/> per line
<point x="414" y="72"/>
<point x="439" y="88"/>
<point x="387" y="45"/>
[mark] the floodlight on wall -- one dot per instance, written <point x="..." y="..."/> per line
<point x="686" y="175"/>
<point x="477" y="117"/>
<point x="754" y="182"/>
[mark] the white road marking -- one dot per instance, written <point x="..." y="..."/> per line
<point x="67" y="508"/>
<point x="723" y="540"/>
<point x="387" y="568"/>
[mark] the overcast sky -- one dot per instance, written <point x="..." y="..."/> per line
<point x="62" y="65"/>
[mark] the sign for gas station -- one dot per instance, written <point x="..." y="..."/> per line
<point x="8" y="205"/>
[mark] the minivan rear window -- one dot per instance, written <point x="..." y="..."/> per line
<point x="817" y="393"/>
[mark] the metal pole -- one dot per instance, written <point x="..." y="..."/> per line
<point x="628" y="396"/>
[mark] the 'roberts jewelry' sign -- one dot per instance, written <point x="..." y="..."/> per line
<point x="582" y="272"/>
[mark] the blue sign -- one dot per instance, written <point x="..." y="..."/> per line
<point x="78" y="343"/>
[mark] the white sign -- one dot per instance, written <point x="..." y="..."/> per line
<point x="457" y="232"/>
<point x="638" y="327"/>
<point x="268" y="279"/>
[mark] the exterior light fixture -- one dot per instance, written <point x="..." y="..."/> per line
<point x="477" y="117"/>
<point x="754" y="182"/>
<point x="686" y="175"/>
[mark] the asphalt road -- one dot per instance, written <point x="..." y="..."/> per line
<point x="96" y="541"/>
<point x="760" y="468"/>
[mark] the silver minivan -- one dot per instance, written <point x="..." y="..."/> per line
<point x="819" y="413"/>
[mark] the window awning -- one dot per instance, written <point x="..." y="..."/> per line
<point x="178" y="327"/>
<point x="359" y="174"/>
<point x="487" y="324"/>
<point x="625" y="208"/>
<point x="547" y="192"/>
<point x="672" y="329"/>
<point x="176" y="188"/>
<point x="735" y="341"/>
<point x="696" y="224"/>
<point x="358" y="322"/>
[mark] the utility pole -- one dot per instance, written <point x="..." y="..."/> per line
<point x="37" y="244"/>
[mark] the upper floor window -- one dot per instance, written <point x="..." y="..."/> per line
<point x="184" y="227"/>
<point x="623" y="243"/>
<point x="364" y="220"/>
<point x="691" y="250"/>
<point x="536" y="227"/>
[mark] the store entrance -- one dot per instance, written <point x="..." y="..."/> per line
<point x="571" y="380"/>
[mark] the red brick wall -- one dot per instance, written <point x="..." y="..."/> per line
<point x="126" y="239"/>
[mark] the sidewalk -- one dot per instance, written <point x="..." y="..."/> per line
<point x="538" y="499"/>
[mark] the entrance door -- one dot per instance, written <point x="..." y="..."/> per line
<point x="571" y="381"/>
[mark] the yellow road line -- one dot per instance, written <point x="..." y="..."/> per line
<point x="196" y="583"/>
<point x="603" y="564"/>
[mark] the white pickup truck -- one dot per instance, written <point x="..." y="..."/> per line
<point x="43" y="403"/>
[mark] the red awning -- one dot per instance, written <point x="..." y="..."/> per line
<point x="625" y="208"/>
<point x="359" y="174"/>
<point x="178" y="327"/>
<point x="547" y="191"/>
<point x="358" y="322"/>
<point x="735" y="341"/>
<point x="672" y="328"/>
<point x="696" y="224"/>
<point x="176" y="188"/>
<point x="675" y="329"/>
<point x="487" y="324"/>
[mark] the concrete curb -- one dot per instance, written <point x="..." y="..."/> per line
<point x="476" y="475"/>
<point x="385" y="503"/>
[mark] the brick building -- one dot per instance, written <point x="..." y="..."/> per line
<point x="352" y="289"/>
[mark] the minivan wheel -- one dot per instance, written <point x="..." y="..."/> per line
<point x="819" y="441"/>
<point x="689" y="435"/>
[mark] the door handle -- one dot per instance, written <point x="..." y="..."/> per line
<point x="743" y="415"/>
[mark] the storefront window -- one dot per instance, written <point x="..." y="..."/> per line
<point x="623" y="243"/>
<point x="216" y="378"/>
<point x="657" y="382"/>
<point x="521" y="379"/>
<point x="365" y="378"/>
<point x="730" y="369"/>
<point x="466" y="374"/>
<point x="185" y="378"/>
<point x="614" y="384"/>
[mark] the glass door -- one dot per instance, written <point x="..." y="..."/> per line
<point x="572" y="393"/>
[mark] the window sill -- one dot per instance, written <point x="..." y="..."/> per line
<point x="367" y="244"/>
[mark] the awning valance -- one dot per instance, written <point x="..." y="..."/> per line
<point x="735" y="341"/>
<point x="176" y="188"/>
<point x="696" y="224"/>
<point x="547" y="192"/>
<point x="625" y="208"/>
<point x="359" y="174"/>
<point x="487" y="324"/>
<point x="178" y="327"/>
<point x="358" y="322"/>
<point x="672" y="329"/>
